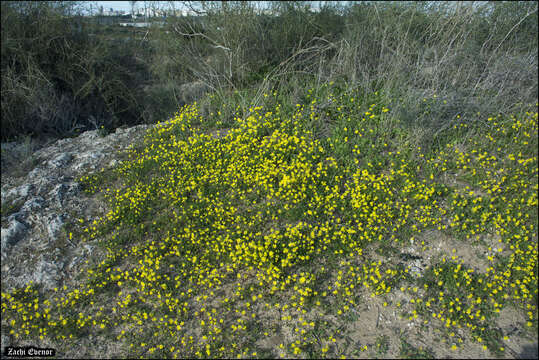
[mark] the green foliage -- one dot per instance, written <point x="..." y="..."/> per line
<point x="382" y="344"/>
<point x="58" y="70"/>
<point x="329" y="138"/>
<point x="408" y="351"/>
<point x="282" y="222"/>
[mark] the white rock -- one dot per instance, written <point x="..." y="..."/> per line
<point x="58" y="193"/>
<point x="5" y="341"/>
<point x="55" y="225"/>
<point x="47" y="273"/>
<point x="61" y="160"/>
<point x="33" y="204"/>
<point x="416" y="267"/>
<point x="48" y="193"/>
<point x="21" y="191"/>
<point x="88" y="160"/>
<point x="19" y="216"/>
<point x="36" y="173"/>
<point x="92" y="134"/>
<point x="61" y="191"/>
<point x="13" y="233"/>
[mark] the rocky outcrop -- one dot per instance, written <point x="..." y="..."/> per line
<point x="37" y="205"/>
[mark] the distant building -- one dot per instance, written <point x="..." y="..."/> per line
<point x="142" y="24"/>
<point x="182" y="12"/>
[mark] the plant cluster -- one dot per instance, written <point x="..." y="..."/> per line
<point x="265" y="238"/>
<point x="62" y="73"/>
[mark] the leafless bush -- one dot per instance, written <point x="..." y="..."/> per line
<point x="451" y="54"/>
<point x="55" y="75"/>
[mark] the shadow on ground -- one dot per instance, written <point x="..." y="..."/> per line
<point x="529" y="352"/>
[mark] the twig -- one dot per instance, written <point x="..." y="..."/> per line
<point x="193" y="34"/>
<point x="513" y="28"/>
<point x="501" y="42"/>
<point x="144" y="38"/>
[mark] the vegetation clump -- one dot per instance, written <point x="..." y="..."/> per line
<point x="374" y="179"/>
<point x="214" y="243"/>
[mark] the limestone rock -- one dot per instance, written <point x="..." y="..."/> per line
<point x="13" y="233"/>
<point x="33" y="204"/>
<point x="412" y="260"/>
<point x="61" y="160"/>
<point x="19" y="192"/>
<point x="47" y="197"/>
<point x="47" y="273"/>
<point x="61" y="191"/>
<point x="55" y="225"/>
<point x="88" y="160"/>
<point x="6" y="341"/>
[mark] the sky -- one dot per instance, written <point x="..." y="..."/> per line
<point x="116" y="5"/>
<point x="119" y="5"/>
<point x="125" y="6"/>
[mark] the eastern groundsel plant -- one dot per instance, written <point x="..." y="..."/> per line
<point x="213" y="244"/>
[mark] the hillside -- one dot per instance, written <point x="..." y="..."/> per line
<point x="269" y="236"/>
<point x="357" y="197"/>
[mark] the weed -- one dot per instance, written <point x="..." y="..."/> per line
<point x="382" y="344"/>
<point x="220" y="242"/>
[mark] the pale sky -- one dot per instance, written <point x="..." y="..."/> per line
<point x="116" y="5"/>
<point x="119" y="5"/>
<point x="125" y="6"/>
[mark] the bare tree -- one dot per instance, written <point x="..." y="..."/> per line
<point x="132" y="3"/>
<point x="154" y="8"/>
